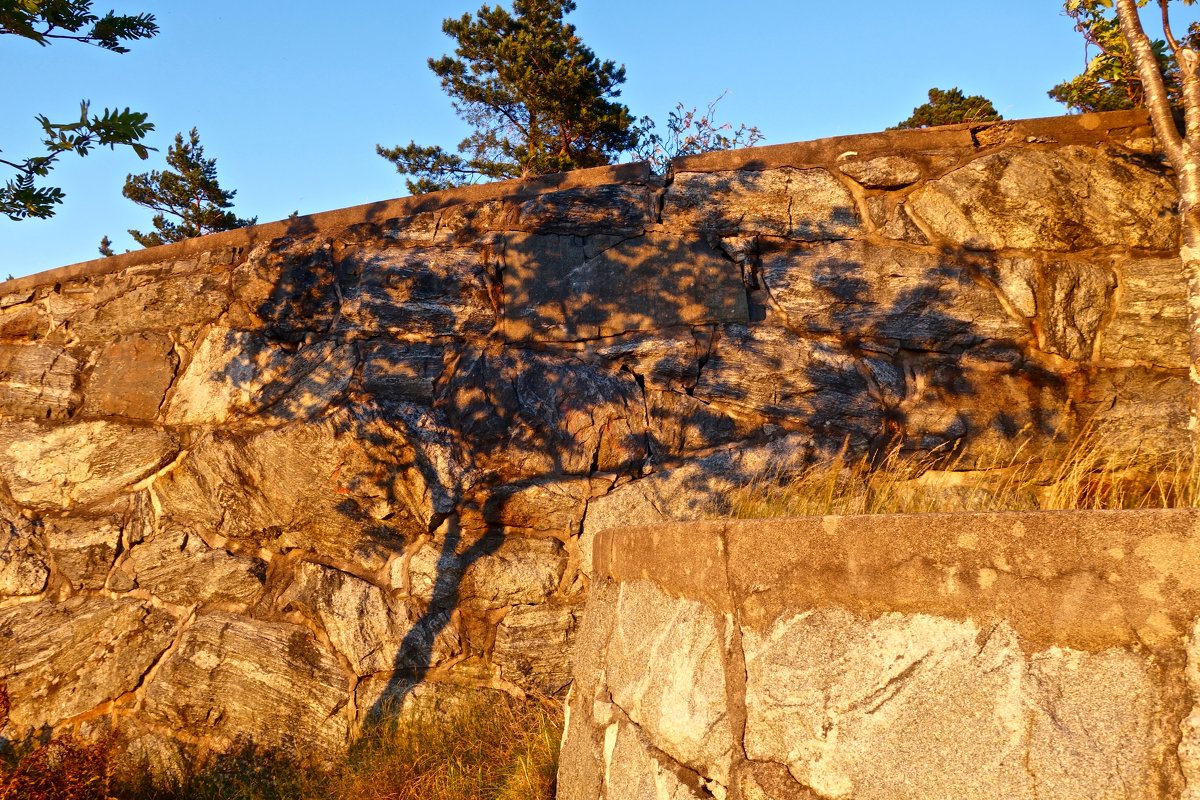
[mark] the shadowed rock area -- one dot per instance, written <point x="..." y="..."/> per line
<point x="260" y="487"/>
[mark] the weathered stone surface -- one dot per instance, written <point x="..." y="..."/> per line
<point x="864" y="292"/>
<point x="621" y="209"/>
<point x="667" y="359"/>
<point x="553" y="508"/>
<point x="983" y="410"/>
<point x="883" y="172"/>
<point x="47" y="467"/>
<point x="633" y="770"/>
<point x="165" y="304"/>
<point x="310" y="485"/>
<point x="893" y="221"/>
<point x="1071" y="198"/>
<point x="290" y="287"/>
<point x="916" y="706"/>
<point x="24" y="568"/>
<point x="306" y="383"/>
<point x="60" y="660"/>
<point x="431" y="291"/>
<point x="235" y="373"/>
<point x="219" y="379"/>
<point x="131" y="377"/>
<point x="402" y="370"/>
<point x="238" y="679"/>
<point x="22" y="320"/>
<point x="533" y="646"/>
<point x="178" y="567"/>
<point x="681" y="424"/>
<point x="491" y="571"/>
<point x="356" y="615"/>
<point x="554" y="291"/>
<point x="680" y="703"/>
<point x="520" y="571"/>
<point x="38" y="380"/>
<point x="700" y="488"/>
<point x="527" y="413"/>
<point x="470" y="222"/>
<point x="806" y="204"/>
<point x="84" y="548"/>
<point x="1138" y="410"/>
<point x="1150" y="323"/>
<point x="807" y="384"/>
<point x="1076" y="304"/>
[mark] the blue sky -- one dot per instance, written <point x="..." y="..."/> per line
<point x="291" y="97"/>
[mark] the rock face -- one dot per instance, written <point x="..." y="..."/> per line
<point x="272" y="483"/>
<point x="832" y="658"/>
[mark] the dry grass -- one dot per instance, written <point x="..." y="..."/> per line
<point x="1093" y="474"/>
<point x="485" y="749"/>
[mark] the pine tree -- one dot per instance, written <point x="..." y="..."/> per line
<point x="538" y="97"/>
<point x="948" y="107"/>
<point x="188" y="191"/>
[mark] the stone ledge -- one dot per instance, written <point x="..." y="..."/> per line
<point x="1081" y="129"/>
<point x="1074" y="129"/>
<point x="517" y="189"/>
<point x="1088" y="580"/>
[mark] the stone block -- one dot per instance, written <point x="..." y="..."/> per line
<point x="806" y="204"/>
<point x="680" y="702"/>
<point x="178" y="567"/>
<point x="866" y="293"/>
<point x="883" y="172"/>
<point x="526" y="413"/>
<point x="49" y="467"/>
<point x="1070" y="198"/>
<point x="555" y="291"/>
<point x="131" y="377"/>
<point x="236" y="679"/>
<point x="918" y="706"/>
<point x="60" y="660"/>
<point x="402" y="370"/>
<point x="428" y="291"/>
<point x="38" y="380"/>
<point x="533" y="646"/>
<point x="24" y="566"/>
<point x="84" y="548"/>
<point x="1149" y="325"/>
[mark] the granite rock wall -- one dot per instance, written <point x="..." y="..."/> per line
<point x="264" y="485"/>
<point x="1016" y="655"/>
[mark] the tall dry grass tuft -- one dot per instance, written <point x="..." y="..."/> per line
<point x="1095" y="472"/>
<point x="482" y="748"/>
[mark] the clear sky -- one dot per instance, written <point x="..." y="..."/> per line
<point x="291" y="96"/>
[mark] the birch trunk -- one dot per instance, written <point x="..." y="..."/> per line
<point x="1183" y="153"/>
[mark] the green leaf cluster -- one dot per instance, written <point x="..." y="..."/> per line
<point x="1109" y="81"/>
<point x="948" y="107"/>
<point x="44" y="20"/>
<point x="539" y="99"/>
<point x="22" y="196"/>
<point x="188" y="191"/>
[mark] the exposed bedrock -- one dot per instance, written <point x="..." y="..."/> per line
<point x="270" y="484"/>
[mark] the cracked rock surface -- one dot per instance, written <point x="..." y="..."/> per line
<point x="273" y="484"/>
